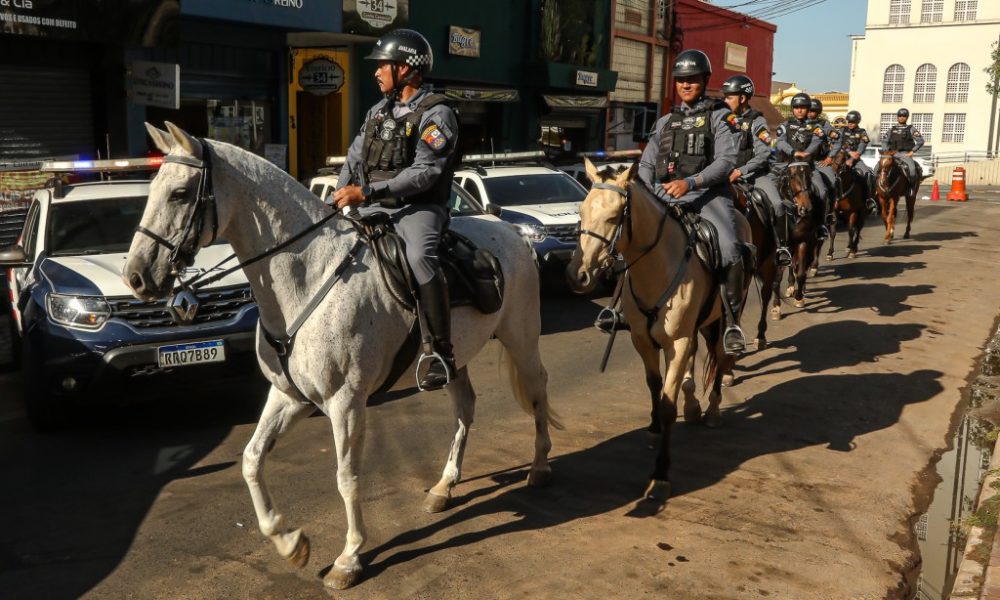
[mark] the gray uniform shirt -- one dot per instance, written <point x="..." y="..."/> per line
<point x="761" y="148"/>
<point x="428" y="164"/>
<point x="918" y="140"/>
<point x="833" y="136"/>
<point x="716" y="173"/>
<point x="784" y="146"/>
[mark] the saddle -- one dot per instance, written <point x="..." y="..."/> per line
<point x="473" y="274"/>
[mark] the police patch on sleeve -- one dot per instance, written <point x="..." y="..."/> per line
<point x="834" y="135"/>
<point x="434" y="137"/>
<point x="916" y="133"/>
<point x="818" y="131"/>
<point x="764" y="135"/>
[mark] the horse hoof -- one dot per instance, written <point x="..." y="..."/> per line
<point x="761" y="343"/>
<point x="800" y="303"/>
<point x="657" y="491"/>
<point x="775" y="314"/>
<point x="300" y="555"/>
<point x="790" y="291"/>
<point x="712" y="419"/>
<point x="339" y="579"/>
<point x="727" y="380"/>
<point x="692" y="414"/>
<point x="539" y="478"/>
<point x="435" y="503"/>
<point x="829" y="257"/>
<point x="852" y="255"/>
<point x="813" y="271"/>
<point x="906" y="235"/>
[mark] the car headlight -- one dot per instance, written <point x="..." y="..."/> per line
<point x="85" y="312"/>
<point x="534" y="233"/>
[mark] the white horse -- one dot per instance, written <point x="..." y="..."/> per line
<point x="344" y="351"/>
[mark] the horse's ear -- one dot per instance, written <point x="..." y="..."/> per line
<point x="629" y="174"/>
<point x="591" y="170"/>
<point x="161" y="139"/>
<point x="185" y="140"/>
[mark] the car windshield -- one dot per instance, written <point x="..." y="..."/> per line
<point x="100" y="226"/>
<point x="542" y="188"/>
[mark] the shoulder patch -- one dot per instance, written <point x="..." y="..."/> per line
<point x="916" y="133"/>
<point x="764" y="135"/>
<point x="818" y="131"/>
<point x="732" y="118"/>
<point x="434" y="137"/>
<point x="834" y="135"/>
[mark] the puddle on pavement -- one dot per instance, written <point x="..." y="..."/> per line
<point x="962" y="469"/>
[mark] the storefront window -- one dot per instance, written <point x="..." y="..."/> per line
<point x="240" y="123"/>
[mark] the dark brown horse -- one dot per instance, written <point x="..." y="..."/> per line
<point x="851" y="204"/>
<point x="802" y="236"/>
<point x="766" y="270"/>
<point x="891" y="184"/>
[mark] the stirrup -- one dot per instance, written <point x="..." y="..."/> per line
<point x="434" y="357"/>
<point x="609" y="320"/>
<point x="871" y="205"/>
<point x="823" y="232"/>
<point x="733" y="340"/>
<point x="782" y="256"/>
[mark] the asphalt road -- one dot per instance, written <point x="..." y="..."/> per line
<point x="806" y="491"/>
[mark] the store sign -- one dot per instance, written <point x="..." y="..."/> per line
<point x="321" y="76"/>
<point x="303" y="15"/>
<point x="584" y="102"/>
<point x="473" y="95"/>
<point x="586" y="78"/>
<point x="464" y="42"/>
<point x="154" y="84"/>
<point x="140" y="22"/>
<point x="736" y="57"/>
<point x="375" y="17"/>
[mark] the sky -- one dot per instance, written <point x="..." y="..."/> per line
<point x="811" y="47"/>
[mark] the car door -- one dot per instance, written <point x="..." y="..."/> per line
<point x="19" y="278"/>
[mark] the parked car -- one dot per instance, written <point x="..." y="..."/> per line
<point x="870" y="157"/>
<point x="81" y="333"/>
<point x="542" y="202"/>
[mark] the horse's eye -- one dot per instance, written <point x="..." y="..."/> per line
<point x="178" y="194"/>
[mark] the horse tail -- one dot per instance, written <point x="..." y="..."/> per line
<point x="527" y="397"/>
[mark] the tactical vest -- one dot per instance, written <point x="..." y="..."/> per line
<point x="390" y="145"/>
<point x="744" y="151"/>
<point x="852" y="138"/>
<point x="687" y="144"/>
<point x="901" y="138"/>
<point x="823" y="124"/>
<point x="798" y="135"/>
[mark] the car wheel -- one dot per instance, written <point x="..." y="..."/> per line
<point x="46" y="412"/>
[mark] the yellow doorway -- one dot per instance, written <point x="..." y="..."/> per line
<point x="317" y="118"/>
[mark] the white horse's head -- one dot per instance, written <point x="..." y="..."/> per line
<point x="180" y="218"/>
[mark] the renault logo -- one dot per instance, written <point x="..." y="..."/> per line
<point x="183" y="307"/>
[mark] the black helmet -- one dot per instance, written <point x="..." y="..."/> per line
<point x="692" y="62"/>
<point x="800" y="100"/>
<point x="815" y="105"/>
<point x="902" y="113"/>
<point x="854" y="117"/>
<point x="404" y="46"/>
<point x="738" y="84"/>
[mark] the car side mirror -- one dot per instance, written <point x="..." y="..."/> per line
<point x="494" y="209"/>
<point x="13" y="256"/>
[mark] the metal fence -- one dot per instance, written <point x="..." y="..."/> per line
<point x="952" y="158"/>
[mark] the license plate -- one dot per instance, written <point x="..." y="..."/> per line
<point x="197" y="353"/>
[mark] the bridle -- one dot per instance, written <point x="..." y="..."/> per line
<point x="801" y="211"/>
<point x="609" y="246"/>
<point x="882" y="182"/>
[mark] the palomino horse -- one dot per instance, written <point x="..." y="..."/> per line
<point x="794" y="184"/>
<point x="851" y="204"/>
<point x="766" y="270"/>
<point x="891" y="183"/>
<point x="670" y="298"/>
<point x="344" y="350"/>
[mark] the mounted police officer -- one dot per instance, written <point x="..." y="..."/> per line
<point x="797" y="139"/>
<point x="403" y="160"/>
<point x="829" y="149"/>
<point x="754" y="147"/>
<point x="904" y="139"/>
<point x="688" y="160"/>
<point x="855" y="140"/>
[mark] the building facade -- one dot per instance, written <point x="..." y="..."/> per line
<point x="928" y="56"/>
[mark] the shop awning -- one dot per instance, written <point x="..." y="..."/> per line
<point x="482" y="95"/>
<point x="576" y="103"/>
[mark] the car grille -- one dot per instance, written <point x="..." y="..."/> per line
<point x="11" y="222"/>
<point x="564" y="233"/>
<point x="214" y="306"/>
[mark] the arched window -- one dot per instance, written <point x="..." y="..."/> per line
<point x="892" y="84"/>
<point x="925" y="84"/>
<point x="958" y="83"/>
<point x="899" y="12"/>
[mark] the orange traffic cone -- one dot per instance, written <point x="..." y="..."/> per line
<point x="958" y="185"/>
<point x="935" y="193"/>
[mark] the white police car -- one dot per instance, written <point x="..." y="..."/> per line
<point x="871" y="157"/>
<point x="82" y="334"/>
<point x="542" y="202"/>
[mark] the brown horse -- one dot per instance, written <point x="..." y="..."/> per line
<point x="850" y="204"/>
<point x="803" y="240"/>
<point x="892" y="183"/>
<point x="669" y="297"/>
<point x="766" y="270"/>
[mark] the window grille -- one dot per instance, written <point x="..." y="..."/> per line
<point x="925" y="84"/>
<point x="958" y="83"/>
<point x="954" y="128"/>
<point x="965" y="10"/>
<point x="931" y="11"/>
<point x="899" y="12"/>
<point x="892" y="84"/>
<point x="924" y="123"/>
<point x="886" y="121"/>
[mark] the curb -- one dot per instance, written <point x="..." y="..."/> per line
<point x="973" y="580"/>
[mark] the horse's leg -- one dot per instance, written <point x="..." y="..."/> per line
<point x="529" y="379"/>
<point x="347" y="416"/>
<point x="715" y="362"/>
<point x="853" y="233"/>
<point x="891" y="224"/>
<point x="779" y="273"/>
<point x="911" y="205"/>
<point x="280" y="412"/>
<point x="765" y="277"/>
<point x="793" y="269"/>
<point x="692" y="408"/>
<point x="650" y="357"/>
<point x="463" y="400"/>
<point x="801" y="270"/>
<point x="677" y="355"/>
<point x="833" y="238"/>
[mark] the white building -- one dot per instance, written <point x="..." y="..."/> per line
<point x="927" y="56"/>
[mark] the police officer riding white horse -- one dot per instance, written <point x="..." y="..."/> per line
<point x="687" y="163"/>
<point x="402" y="163"/>
<point x="904" y="139"/>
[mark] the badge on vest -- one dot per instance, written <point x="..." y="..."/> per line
<point x="433" y="137"/>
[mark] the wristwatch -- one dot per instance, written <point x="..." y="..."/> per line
<point x="367" y="192"/>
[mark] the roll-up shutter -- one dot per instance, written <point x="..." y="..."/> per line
<point x="44" y="112"/>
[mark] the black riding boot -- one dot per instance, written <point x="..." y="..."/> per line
<point x="733" y="340"/>
<point x="437" y="314"/>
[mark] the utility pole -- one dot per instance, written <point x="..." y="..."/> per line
<point x="990" y="148"/>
